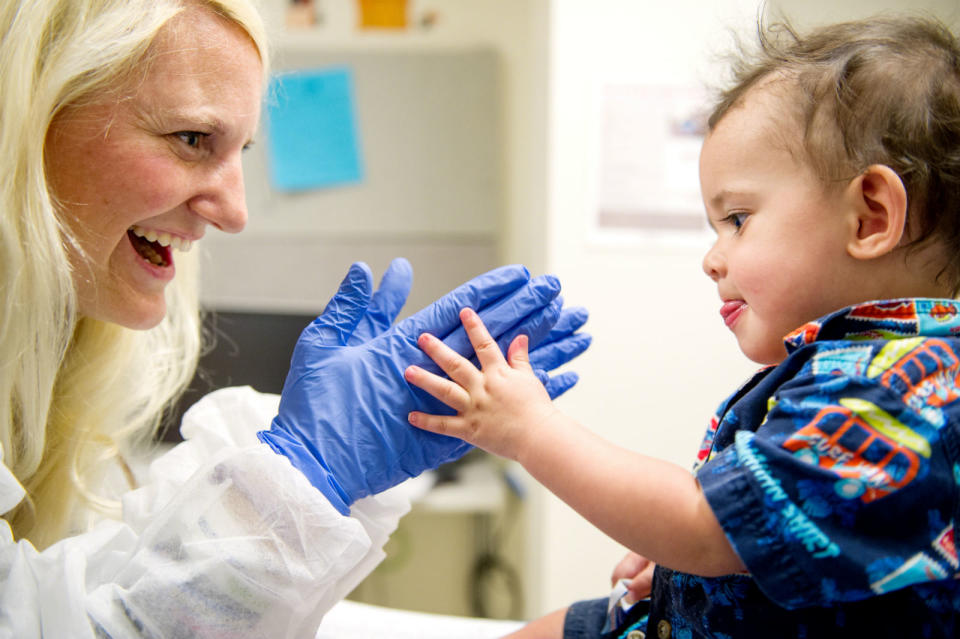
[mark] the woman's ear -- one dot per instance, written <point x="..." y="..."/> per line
<point x="880" y="212"/>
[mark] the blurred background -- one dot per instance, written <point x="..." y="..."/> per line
<point x="465" y="134"/>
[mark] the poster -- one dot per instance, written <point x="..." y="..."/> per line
<point x="650" y="143"/>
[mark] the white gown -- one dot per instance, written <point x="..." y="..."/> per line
<point x="224" y="539"/>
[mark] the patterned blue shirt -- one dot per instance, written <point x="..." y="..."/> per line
<point x="835" y="477"/>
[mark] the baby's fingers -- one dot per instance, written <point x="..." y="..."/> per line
<point x="442" y="389"/>
<point x="488" y="352"/>
<point x="451" y="425"/>
<point x="458" y="368"/>
<point x="518" y="354"/>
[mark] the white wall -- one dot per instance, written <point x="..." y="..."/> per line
<point x="662" y="359"/>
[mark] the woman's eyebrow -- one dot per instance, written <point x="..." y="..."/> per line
<point x="210" y="123"/>
<point x="198" y="118"/>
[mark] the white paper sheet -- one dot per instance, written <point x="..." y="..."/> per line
<point x="353" y="620"/>
<point x="649" y="158"/>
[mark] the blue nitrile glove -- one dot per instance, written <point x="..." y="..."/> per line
<point x="385" y="304"/>
<point x="561" y="345"/>
<point x="343" y="409"/>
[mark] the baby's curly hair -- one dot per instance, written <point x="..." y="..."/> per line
<point x="883" y="90"/>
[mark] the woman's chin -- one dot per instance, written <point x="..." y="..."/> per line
<point x="138" y="317"/>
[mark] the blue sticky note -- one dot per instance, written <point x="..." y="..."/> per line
<point x="312" y="131"/>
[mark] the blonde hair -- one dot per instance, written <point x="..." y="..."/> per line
<point x="75" y="392"/>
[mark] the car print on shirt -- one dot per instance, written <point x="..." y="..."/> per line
<point x="871" y="452"/>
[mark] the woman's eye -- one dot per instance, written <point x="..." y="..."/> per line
<point x="191" y="138"/>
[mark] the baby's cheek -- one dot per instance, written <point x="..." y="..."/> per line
<point x="765" y="280"/>
<point x="752" y="282"/>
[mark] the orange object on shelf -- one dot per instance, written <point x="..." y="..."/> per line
<point x="382" y="14"/>
<point x="301" y="14"/>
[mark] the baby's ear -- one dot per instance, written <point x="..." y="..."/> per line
<point x="879" y="201"/>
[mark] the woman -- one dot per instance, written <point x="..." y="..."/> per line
<point x="122" y="128"/>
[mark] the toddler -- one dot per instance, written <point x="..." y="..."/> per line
<point x="825" y="494"/>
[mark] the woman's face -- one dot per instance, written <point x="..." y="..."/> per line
<point x="140" y="172"/>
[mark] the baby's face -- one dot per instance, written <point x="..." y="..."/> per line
<point x="780" y="257"/>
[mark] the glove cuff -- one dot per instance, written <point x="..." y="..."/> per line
<point x="314" y="470"/>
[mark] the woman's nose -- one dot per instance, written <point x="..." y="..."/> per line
<point x="713" y="263"/>
<point x="222" y="201"/>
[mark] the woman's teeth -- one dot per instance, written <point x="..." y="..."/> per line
<point x="163" y="239"/>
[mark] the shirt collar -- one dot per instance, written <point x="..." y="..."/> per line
<point x="886" y="319"/>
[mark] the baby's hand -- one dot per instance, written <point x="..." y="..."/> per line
<point x="637" y="570"/>
<point x="500" y="408"/>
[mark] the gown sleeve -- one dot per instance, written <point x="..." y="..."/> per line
<point x="224" y="539"/>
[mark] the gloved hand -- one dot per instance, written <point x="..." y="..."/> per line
<point x="561" y="345"/>
<point x="385" y="304"/>
<point x="342" y="416"/>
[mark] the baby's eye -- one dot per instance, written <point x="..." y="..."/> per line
<point x="737" y="219"/>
